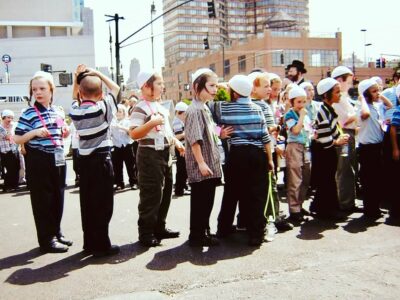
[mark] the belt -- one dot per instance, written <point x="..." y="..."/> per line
<point x="150" y="142"/>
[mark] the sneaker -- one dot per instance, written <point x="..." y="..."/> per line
<point x="297" y="218"/>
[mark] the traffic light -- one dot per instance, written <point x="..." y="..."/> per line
<point x="282" y="59"/>
<point x="383" y="62"/>
<point x="46" y="68"/>
<point x="378" y="63"/>
<point x="206" y="44"/>
<point x="65" y="79"/>
<point x="211" y="9"/>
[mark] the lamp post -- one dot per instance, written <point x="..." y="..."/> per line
<point x="365" y="43"/>
<point x="152" y="12"/>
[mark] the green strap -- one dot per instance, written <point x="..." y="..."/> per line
<point x="270" y="198"/>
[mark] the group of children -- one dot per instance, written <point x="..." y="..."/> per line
<point x="320" y="140"/>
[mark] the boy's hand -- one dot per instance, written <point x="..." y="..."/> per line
<point x="157" y="119"/>
<point x="41" y="132"/>
<point x="226" y="132"/>
<point x="205" y="170"/>
<point x="81" y="68"/>
<point x="396" y="154"/>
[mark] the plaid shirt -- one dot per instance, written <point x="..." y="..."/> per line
<point x="6" y="145"/>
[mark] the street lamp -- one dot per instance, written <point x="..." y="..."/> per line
<point x="365" y="44"/>
<point x="152" y="12"/>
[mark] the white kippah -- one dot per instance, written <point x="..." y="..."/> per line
<point x="200" y="72"/>
<point x="325" y="85"/>
<point x="365" y="85"/>
<point x="340" y="70"/>
<point x="296" y="91"/>
<point x="241" y="84"/>
<point x="144" y="76"/>
<point x="45" y="75"/>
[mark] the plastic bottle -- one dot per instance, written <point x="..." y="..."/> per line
<point x="271" y="229"/>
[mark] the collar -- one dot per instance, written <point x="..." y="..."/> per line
<point x="330" y="109"/>
<point x="243" y="100"/>
<point x="41" y="108"/>
<point x="88" y="102"/>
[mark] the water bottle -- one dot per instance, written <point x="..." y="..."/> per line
<point x="271" y="229"/>
<point x="344" y="151"/>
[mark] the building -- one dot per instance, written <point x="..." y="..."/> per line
<point x="134" y="70"/>
<point x="56" y="33"/>
<point x="188" y="26"/>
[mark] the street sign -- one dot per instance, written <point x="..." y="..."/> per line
<point x="6" y="58"/>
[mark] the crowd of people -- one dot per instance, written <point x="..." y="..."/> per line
<point x="336" y="147"/>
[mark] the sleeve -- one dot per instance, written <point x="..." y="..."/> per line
<point x="324" y="133"/>
<point x="138" y="117"/>
<point x="194" y="127"/>
<point x="23" y="125"/>
<point x="396" y="117"/>
<point x="269" y="116"/>
<point x="265" y="135"/>
<point x="177" y="126"/>
<point x="290" y="123"/>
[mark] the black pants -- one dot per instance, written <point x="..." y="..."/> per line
<point x="120" y="156"/>
<point x="155" y="184"/>
<point x="46" y="185"/>
<point x="75" y="163"/>
<point x="97" y="200"/>
<point x="181" y="175"/>
<point x="326" y="200"/>
<point x="371" y="167"/>
<point x="391" y="168"/>
<point x="10" y="162"/>
<point x="201" y="204"/>
<point x="246" y="182"/>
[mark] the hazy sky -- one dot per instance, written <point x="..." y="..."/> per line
<point x="347" y="16"/>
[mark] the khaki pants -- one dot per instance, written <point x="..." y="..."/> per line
<point x="298" y="168"/>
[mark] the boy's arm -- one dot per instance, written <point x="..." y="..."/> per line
<point x="393" y="139"/>
<point x="142" y="130"/>
<point x="198" y="156"/>
<point x="81" y="68"/>
<point x="111" y="85"/>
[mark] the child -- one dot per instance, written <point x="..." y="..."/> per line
<point x="179" y="132"/>
<point x="42" y="129"/>
<point x="326" y="203"/>
<point x="298" y="155"/>
<point x="202" y="157"/>
<point x="92" y="119"/>
<point x="150" y="126"/>
<point x="122" y="150"/>
<point x="370" y="137"/>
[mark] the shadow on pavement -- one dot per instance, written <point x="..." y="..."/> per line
<point x="360" y="224"/>
<point x="228" y="249"/>
<point x="312" y="230"/>
<point x="21" y="259"/>
<point x="63" y="267"/>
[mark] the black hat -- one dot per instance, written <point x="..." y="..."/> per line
<point x="299" y="65"/>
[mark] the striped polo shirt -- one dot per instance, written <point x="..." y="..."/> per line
<point x="248" y="122"/>
<point x="267" y="111"/>
<point x="92" y="122"/>
<point x="327" y="128"/>
<point x="53" y="120"/>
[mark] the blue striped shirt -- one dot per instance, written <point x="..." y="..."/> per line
<point x="92" y="122"/>
<point x="247" y="119"/>
<point x="30" y="120"/>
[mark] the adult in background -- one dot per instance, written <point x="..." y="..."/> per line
<point x="295" y="72"/>
<point x="41" y="129"/>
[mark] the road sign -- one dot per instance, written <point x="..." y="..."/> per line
<point x="6" y="58"/>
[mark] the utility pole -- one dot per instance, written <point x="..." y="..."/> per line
<point x="152" y="11"/>
<point x="111" y="53"/>
<point x="116" y="18"/>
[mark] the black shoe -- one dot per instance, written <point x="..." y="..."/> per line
<point x="223" y="233"/>
<point x="134" y="186"/>
<point x="305" y="212"/>
<point x="354" y="209"/>
<point x="283" y="225"/>
<point x="166" y="234"/>
<point x="54" y="247"/>
<point x="113" y="250"/>
<point x="297" y="219"/>
<point x="256" y="241"/>
<point x="392" y="221"/>
<point x="206" y="241"/>
<point x="149" y="240"/>
<point x="61" y="239"/>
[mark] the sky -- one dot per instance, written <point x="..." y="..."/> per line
<point x="347" y="16"/>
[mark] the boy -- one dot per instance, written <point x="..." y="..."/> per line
<point x="92" y="120"/>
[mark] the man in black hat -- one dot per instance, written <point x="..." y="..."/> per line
<point x="295" y="71"/>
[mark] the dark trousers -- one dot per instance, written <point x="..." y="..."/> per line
<point x="120" y="156"/>
<point x="181" y="174"/>
<point x="326" y="200"/>
<point x="155" y="184"/>
<point x="201" y="204"/>
<point x="10" y="162"/>
<point x="75" y="163"/>
<point x="96" y="199"/>
<point x="46" y="185"/>
<point x="247" y="182"/>
<point x="371" y="177"/>
<point x="389" y="194"/>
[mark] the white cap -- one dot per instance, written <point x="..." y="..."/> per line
<point x="296" y="91"/>
<point x="339" y="71"/>
<point x="273" y="76"/>
<point x="241" y="84"/>
<point x="325" y="85"/>
<point x="200" y="72"/>
<point x="377" y="79"/>
<point x="253" y="76"/>
<point x="181" y="106"/>
<point x="7" y="113"/>
<point x="305" y="85"/>
<point x="398" y="91"/>
<point x="365" y="85"/>
<point x="45" y="75"/>
<point x="144" y="76"/>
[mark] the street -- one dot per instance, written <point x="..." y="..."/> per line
<point x="319" y="260"/>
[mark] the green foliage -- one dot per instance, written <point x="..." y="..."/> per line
<point x="187" y="101"/>
<point x="222" y="95"/>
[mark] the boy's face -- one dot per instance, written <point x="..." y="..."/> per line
<point x="210" y="90"/>
<point x="158" y="88"/>
<point x="41" y="91"/>
<point x="264" y="90"/>
<point x="336" y="94"/>
<point x="181" y="115"/>
<point x="276" y="88"/>
<point x="120" y="114"/>
<point x="299" y="103"/>
<point x="310" y="92"/>
<point x="374" y="90"/>
<point x="7" y="120"/>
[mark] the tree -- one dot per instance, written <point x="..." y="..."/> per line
<point x="222" y="95"/>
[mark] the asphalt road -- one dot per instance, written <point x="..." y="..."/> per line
<point x="320" y="260"/>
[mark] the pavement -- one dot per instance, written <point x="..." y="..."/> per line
<point x="319" y="260"/>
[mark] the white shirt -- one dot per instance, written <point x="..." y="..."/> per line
<point x="345" y="110"/>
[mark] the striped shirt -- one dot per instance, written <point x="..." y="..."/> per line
<point x="53" y="120"/>
<point x="199" y="128"/>
<point x="267" y="111"/>
<point x="247" y="120"/>
<point x="142" y="114"/>
<point x="327" y="128"/>
<point x="396" y="118"/>
<point x="92" y="122"/>
<point x="7" y="144"/>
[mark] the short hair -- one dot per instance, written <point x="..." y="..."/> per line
<point x="200" y="83"/>
<point x="90" y="86"/>
<point x="344" y="77"/>
<point x="259" y="77"/>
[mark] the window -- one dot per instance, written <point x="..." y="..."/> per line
<point x="323" y="58"/>
<point x="227" y="66"/>
<point x="242" y="63"/>
<point x="288" y="57"/>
